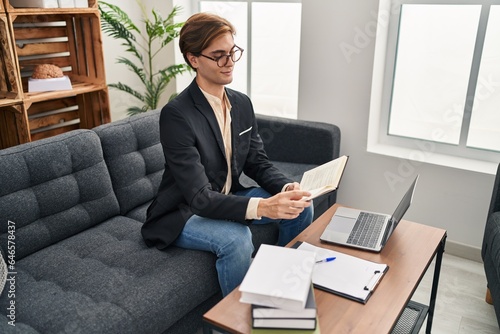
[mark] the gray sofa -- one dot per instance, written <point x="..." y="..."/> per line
<point x="490" y="250"/>
<point x="72" y="207"/>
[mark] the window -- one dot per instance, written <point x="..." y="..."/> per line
<point x="269" y="31"/>
<point x="436" y="80"/>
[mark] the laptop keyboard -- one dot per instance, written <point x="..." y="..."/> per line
<point x="366" y="230"/>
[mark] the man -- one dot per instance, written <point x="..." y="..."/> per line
<point x="209" y="137"/>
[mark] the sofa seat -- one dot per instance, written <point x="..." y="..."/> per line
<point x="106" y="280"/>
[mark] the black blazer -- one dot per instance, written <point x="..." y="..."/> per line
<point x="196" y="167"/>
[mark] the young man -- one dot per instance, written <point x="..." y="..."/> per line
<point x="209" y="137"/>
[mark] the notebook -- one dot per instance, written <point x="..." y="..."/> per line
<point x="364" y="229"/>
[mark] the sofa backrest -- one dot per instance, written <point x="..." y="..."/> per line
<point x="134" y="156"/>
<point x="299" y="141"/>
<point x="52" y="189"/>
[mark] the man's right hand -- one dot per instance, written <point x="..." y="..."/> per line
<point x="284" y="205"/>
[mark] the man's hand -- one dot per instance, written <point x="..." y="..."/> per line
<point x="285" y="205"/>
<point x="293" y="186"/>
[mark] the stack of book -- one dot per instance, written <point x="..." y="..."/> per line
<point x="278" y="318"/>
<point x="278" y="285"/>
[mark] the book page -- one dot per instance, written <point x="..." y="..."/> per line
<point x="324" y="178"/>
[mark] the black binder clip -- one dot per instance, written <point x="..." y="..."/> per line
<point x="370" y="286"/>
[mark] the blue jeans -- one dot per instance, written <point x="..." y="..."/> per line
<point x="232" y="243"/>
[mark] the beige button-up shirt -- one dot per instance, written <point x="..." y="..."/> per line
<point x="223" y="115"/>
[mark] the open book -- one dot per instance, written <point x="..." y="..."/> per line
<point x="325" y="178"/>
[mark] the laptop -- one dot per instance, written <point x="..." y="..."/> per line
<point x="364" y="229"/>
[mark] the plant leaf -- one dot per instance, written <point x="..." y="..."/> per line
<point x="127" y="89"/>
<point x="133" y="67"/>
<point x="172" y="71"/>
<point x="131" y="111"/>
<point x="118" y="15"/>
<point x="145" y="46"/>
<point x="117" y="24"/>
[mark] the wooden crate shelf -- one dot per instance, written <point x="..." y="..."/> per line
<point x="72" y="42"/>
<point x="92" y="4"/>
<point x="51" y="117"/>
<point x="14" y="128"/>
<point x="10" y="92"/>
<point x="69" y="38"/>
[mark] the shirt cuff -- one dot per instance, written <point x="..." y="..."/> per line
<point x="253" y="204"/>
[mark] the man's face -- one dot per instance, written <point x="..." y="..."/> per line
<point x="208" y="72"/>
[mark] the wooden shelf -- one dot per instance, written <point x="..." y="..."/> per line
<point x="69" y="38"/>
<point x="27" y="11"/>
<point x="78" y="88"/>
<point x="49" y="11"/>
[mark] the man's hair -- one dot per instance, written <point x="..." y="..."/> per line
<point x="199" y="31"/>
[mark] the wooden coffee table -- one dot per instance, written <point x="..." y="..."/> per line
<point x="409" y="252"/>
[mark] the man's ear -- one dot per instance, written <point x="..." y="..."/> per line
<point x="193" y="60"/>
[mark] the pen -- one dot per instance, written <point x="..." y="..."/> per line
<point x="328" y="259"/>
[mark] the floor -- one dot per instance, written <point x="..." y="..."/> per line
<point x="460" y="305"/>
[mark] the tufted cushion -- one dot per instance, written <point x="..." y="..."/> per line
<point x="134" y="156"/>
<point x="52" y="189"/>
<point x="106" y="280"/>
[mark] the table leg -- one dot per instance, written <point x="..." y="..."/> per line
<point x="211" y="329"/>
<point x="435" y="281"/>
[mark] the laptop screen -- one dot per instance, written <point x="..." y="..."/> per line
<point x="400" y="210"/>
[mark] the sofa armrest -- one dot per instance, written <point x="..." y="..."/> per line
<point x="494" y="207"/>
<point x="299" y="141"/>
<point x="495" y="196"/>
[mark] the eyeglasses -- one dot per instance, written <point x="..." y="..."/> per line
<point x="222" y="61"/>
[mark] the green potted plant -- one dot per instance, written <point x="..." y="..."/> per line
<point x="143" y="47"/>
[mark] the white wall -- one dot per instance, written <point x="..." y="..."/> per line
<point x="337" y="91"/>
<point x="119" y="101"/>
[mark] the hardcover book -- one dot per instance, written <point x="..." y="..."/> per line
<point x="278" y="277"/>
<point x="309" y="310"/>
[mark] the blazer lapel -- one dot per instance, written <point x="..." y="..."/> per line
<point x="206" y="110"/>
<point x="235" y="131"/>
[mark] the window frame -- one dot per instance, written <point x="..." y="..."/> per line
<point x="248" y="51"/>
<point x="419" y="150"/>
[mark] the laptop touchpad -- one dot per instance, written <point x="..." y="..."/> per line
<point x="343" y="224"/>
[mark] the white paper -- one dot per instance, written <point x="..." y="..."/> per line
<point x="81" y="3"/>
<point x="34" y="3"/>
<point x="346" y="274"/>
<point x="45" y="85"/>
<point x="66" y="3"/>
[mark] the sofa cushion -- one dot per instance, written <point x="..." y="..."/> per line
<point x="52" y="189"/>
<point x="139" y="213"/>
<point x="134" y="156"/>
<point x="106" y="280"/>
